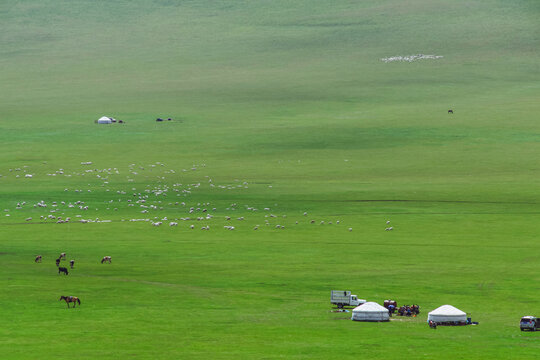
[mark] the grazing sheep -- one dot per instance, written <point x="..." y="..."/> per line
<point x="389" y="229"/>
<point x="350" y="229"/>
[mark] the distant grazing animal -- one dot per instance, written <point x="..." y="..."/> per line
<point x="450" y="111"/>
<point x="58" y="262"/>
<point x="38" y="258"/>
<point x="390" y="228"/>
<point x="71" y="263"/>
<point x="62" y="256"/>
<point x="63" y="270"/>
<point x="159" y="119"/>
<point x="70" y="299"/>
<point x="106" y="259"/>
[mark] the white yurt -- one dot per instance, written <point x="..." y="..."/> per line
<point x="370" y="311"/>
<point x="104" y="120"/>
<point x="447" y="314"/>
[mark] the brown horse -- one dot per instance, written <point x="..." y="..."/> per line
<point x="106" y="259"/>
<point x="38" y="258"/>
<point x="70" y="299"/>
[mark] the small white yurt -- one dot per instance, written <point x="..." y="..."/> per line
<point x="370" y="311"/>
<point x="447" y="314"/>
<point x="104" y="120"/>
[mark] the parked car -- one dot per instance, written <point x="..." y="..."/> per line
<point x="530" y="323"/>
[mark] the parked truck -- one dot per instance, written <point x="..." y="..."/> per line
<point x="344" y="298"/>
<point x="529" y="323"/>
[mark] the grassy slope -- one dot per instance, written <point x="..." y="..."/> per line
<point x="279" y="94"/>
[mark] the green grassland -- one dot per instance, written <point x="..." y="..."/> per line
<point x="283" y="105"/>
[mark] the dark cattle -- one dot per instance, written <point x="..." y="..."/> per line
<point x="63" y="269"/>
<point x="58" y="262"/>
<point x="38" y="258"/>
<point x="450" y="111"/>
<point x="159" y="119"/>
<point x="71" y="263"/>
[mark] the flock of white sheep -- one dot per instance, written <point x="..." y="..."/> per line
<point x="411" y="58"/>
<point x="150" y="200"/>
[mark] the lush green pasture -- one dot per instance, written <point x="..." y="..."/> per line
<point x="283" y="105"/>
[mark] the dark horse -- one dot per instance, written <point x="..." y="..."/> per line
<point x="450" y="111"/>
<point x="70" y="299"/>
<point x="62" y="269"/>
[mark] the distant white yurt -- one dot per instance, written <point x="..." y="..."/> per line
<point x="447" y="314"/>
<point x="104" y="120"/>
<point x="370" y="311"/>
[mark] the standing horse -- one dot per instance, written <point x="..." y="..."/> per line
<point x="70" y="299"/>
<point x="38" y="258"/>
<point x="63" y="269"/>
